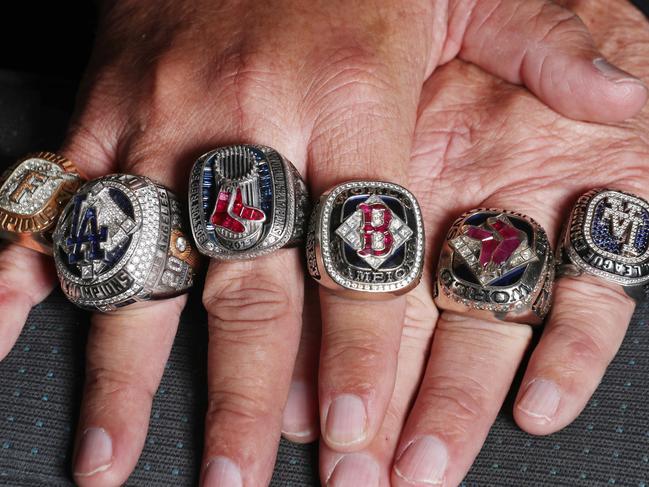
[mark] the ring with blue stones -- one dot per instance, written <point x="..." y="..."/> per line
<point x="498" y="264"/>
<point x="120" y="240"/>
<point x="246" y="201"/>
<point x="608" y="237"/>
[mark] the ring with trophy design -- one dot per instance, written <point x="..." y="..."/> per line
<point x="608" y="236"/>
<point x="32" y="194"/>
<point x="120" y="240"/>
<point x="496" y="264"/>
<point x="246" y="201"/>
<point x="366" y="237"/>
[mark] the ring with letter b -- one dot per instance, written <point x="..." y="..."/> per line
<point x="366" y="237"/>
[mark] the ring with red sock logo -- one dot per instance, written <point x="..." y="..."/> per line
<point x="246" y="201"/>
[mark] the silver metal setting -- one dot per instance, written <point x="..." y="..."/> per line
<point x="496" y="263"/>
<point x="120" y="241"/>
<point x="366" y="237"/>
<point x="246" y="201"/>
<point x="608" y="236"/>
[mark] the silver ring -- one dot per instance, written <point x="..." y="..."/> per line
<point x="246" y="201"/>
<point x="496" y="264"/>
<point x="366" y="237"/>
<point x="32" y="195"/>
<point x="608" y="237"/>
<point x="120" y="241"/>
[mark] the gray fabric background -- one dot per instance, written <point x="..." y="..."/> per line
<point x="41" y="380"/>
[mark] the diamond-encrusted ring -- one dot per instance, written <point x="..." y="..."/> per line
<point x="366" y="237"/>
<point x="496" y="264"/>
<point x="120" y="240"/>
<point x="246" y="201"/>
<point x="608" y="236"/>
<point x="32" y="195"/>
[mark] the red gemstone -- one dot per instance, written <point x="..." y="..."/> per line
<point x="497" y="245"/>
<point x="222" y="218"/>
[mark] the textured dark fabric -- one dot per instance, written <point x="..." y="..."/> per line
<point x="41" y="379"/>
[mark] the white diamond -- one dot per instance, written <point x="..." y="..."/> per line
<point x="181" y="244"/>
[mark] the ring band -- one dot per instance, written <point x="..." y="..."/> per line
<point x="366" y="237"/>
<point x="608" y="236"/>
<point x="119" y="241"/>
<point x="496" y="263"/>
<point x="32" y="195"/>
<point x="246" y="201"/>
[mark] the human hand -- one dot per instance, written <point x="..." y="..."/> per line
<point x="480" y="142"/>
<point x="335" y="87"/>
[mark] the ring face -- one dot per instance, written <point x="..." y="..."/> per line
<point x="33" y="193"/>
<point x="245" y="201"/>
<point x="496" y="262"/>
<point x="608" y="236"/>
<point x="367" y="236"/>
<point x="118" y="242"/>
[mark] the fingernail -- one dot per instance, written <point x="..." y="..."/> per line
<point x="346" y="420"/>
<point x="541" y="400"/>
<point x="95" y="453"/>
<point x="355" y="470"/>
<point x="615" y="74"/>
<point x="298" y="416"/>
<point x="423" y="461"/>
<point x="222" y="472"/>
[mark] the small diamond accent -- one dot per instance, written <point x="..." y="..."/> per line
<point x="181" y="244"/>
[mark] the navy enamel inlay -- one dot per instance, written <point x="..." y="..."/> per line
<point x="85" y="236"/>
<point x="605" y="240"/>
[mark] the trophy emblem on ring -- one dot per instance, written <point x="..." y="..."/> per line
<point x="237" y="216"/>
<point x="245" y="201"/>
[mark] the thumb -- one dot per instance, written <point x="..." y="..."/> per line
<point x="548" y="49"/>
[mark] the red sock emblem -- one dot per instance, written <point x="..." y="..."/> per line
<point x="230" y="214"/>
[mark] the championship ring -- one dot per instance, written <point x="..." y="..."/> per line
<point x="496" y="263"/>
<point x="608" y="237"/>
<point x="119" y="241"/>
<point x="246" y="201"/>
<point x="366" y="237"/>
<point x="32" y="195"/>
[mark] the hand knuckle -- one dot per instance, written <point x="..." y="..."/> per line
<point x="247" y="308"/>
<point x="238" y="406"/>
<point x="356" y="355"/>
<point x="458" y="402"/>
<point x="580" y="347"/>
<point x="106" y="382"/>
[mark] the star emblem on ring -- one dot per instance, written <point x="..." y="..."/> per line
<point x="374" y="231"/>
<point x="493" y="249"/>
